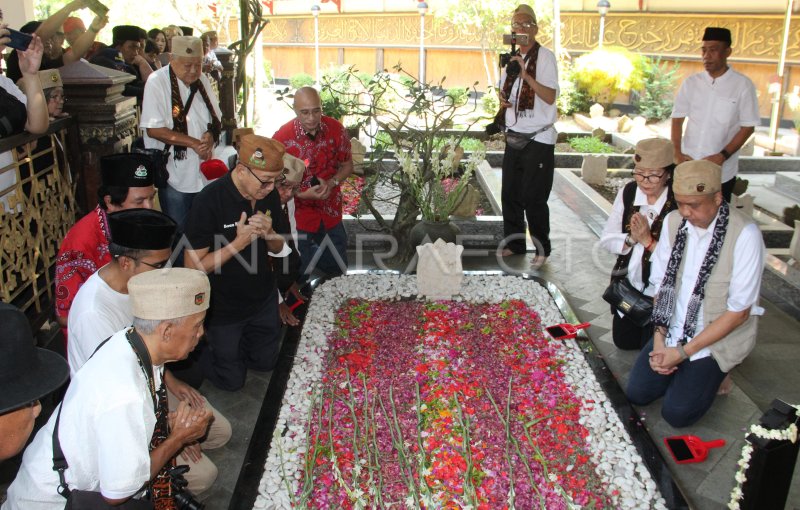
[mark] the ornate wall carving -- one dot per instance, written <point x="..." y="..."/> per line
<point x="756" y="37"/>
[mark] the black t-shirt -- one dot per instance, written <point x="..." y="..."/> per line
<point x="14" y="73"/>
<point x="244" y="283"/>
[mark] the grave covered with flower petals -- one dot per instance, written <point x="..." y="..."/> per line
<point x="400" y="402"/>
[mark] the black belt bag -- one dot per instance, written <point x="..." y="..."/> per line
<point x="518" y="141"/>
<point x="627" y="299"/>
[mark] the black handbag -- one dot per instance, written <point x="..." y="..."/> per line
<point x="624" y="297"/>
<point x="159" y="158"/>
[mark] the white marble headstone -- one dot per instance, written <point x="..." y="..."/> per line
<point x="596" y="111"/>
<point x="594" y="169"/>
<point x="744" y="203"/>
<point x="794" y="246"/>
<point x="439" y="272"/>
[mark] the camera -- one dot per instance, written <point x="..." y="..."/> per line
<point x="514" y="39"/>
<point x="184" y="500"/>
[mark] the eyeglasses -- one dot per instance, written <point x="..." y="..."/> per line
<point x="264" y="184"/>
<point x="522" y="25"/>
<point x="154" y="265"/>
<point x="58" y="97"/>
<point x="648" y="178"/>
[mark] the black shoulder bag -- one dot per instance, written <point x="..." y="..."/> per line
<point x="93" y="500"/>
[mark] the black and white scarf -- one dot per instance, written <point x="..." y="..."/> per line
<point x="666" y="297"/>
<point x="180" y="111"/>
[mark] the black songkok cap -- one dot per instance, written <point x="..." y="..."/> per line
<point x="717" y="34"/>
<point x="187" y="30"/>
<point x="141" y="229"/>
<point x="122" y="33"/>
<point x="128" y="170"/>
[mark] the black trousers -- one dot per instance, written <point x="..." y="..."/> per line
<point x="527" y="181"/>
<point x="627" y="335"/>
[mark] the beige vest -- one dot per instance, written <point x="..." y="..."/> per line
<point x="733" y="348"/>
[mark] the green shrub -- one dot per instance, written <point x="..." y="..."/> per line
<point x="490" y="102"/>
<point x="571" y="99"/>
<point x="301" y="80"/>
<point x="655" y="101"/>
<point x="590" y="144"/>
<point x="458" y="95"/>
<point x="364" y="78"/>
<point x="407" y="81"/>
<point x="605" y="73"/>
<point x="267" y="73"/>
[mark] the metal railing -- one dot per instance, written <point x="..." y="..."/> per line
<point x="37" y="208"/>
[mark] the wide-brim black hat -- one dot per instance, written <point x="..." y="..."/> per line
<point x="142" y="229"/>
<point x="27" y="373"/>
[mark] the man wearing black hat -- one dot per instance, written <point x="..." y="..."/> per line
<point x="27" y="373"/>
<point x="722" y="108"/>
<point x="127" y="184"/>
<point x="141" y="241"/>
<point x="126" y="56"/>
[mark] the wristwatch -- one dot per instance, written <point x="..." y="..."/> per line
<point x="725" y="154"/>
<point x="335" y="181"/>
<point x="683" y="352"/>
<point x="629" y="242"/>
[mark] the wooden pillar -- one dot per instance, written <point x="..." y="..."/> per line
<point x="227" y="92"/>
<point x="107" y="120"/>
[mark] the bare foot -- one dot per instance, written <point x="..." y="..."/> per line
<point x="506" y="252"/>
<point x="726" y="386"/>
<point x="538" y="261"/>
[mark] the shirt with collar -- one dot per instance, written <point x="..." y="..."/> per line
<point x="242" y="285"/>
<point x="716" y="108"/>
<point x="745" y="283"/>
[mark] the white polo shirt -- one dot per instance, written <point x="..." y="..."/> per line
<point x="716" y="109"/>
<point x="184" y="174"/>
<point x="748" y="262"/>
<point x="542" y="114"/>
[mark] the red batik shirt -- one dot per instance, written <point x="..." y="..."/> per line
<point x="84" y="251"/>
<point x="322" y="155"/>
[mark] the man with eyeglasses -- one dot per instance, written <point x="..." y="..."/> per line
<point x="321" y="142"/>
<point x="127" y="183"/>
<point x="528" y="90"/>
<point x="722" y="108"/>
<point x="191" y="130"/>
<point x="141" y="241"/>
<point x="231" y="237"/>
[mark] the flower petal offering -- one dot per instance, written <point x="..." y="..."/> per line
<point x="396" y="402"/>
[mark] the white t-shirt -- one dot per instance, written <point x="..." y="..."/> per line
<point x="748" y="265"/>
<point x="542" y="114"/>
<point x="9" y="178"/>
<point x="106" y="425"/>
<point x="97" y="312"/>
<point x="717" y="109"/>
<point x="184" y="175"/>
<point x="613" y="239"/>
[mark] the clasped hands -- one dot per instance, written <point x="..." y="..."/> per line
<point x="257" y="225"/>
<point x="640" y="229"/>
<point x="665" y="360"/>
<point x="204" y="147"/>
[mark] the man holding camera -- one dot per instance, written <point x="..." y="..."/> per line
<point x="528" y="90"/>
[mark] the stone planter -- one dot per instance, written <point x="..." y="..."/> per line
<point x="429" y="231"/>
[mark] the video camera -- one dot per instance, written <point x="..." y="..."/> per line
<point x="184" y="499"/>
<point x="514" y="39"/>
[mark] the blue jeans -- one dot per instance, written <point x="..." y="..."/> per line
<point x="176" y="205"/>
<point x="323" y="250"/>
<point x="688" y="392"/>
<point x="233" y="348"/>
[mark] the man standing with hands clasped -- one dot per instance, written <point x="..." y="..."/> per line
<point x="722" y="108"/>
<point x="231" y="238"/>
<point x="528" y="90"/>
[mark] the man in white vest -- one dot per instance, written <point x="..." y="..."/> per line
<point x="707" y="274"/>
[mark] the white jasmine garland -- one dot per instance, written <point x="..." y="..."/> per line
<point x="787" y="434"/>
<point x="618" y="463"/>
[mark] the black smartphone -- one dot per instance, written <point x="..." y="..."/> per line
<point x="314" y="181"/>
<point x="680" y="450"/>
<point x="19" y="40"/>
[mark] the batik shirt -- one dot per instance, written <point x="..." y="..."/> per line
<point x="84" y="251"/>
<point x="322" y="156"/>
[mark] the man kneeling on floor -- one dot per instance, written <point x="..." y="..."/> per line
<point x="114" y="428"/>
<point x="141" y="241"/>
<point x="707" y="274"/>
